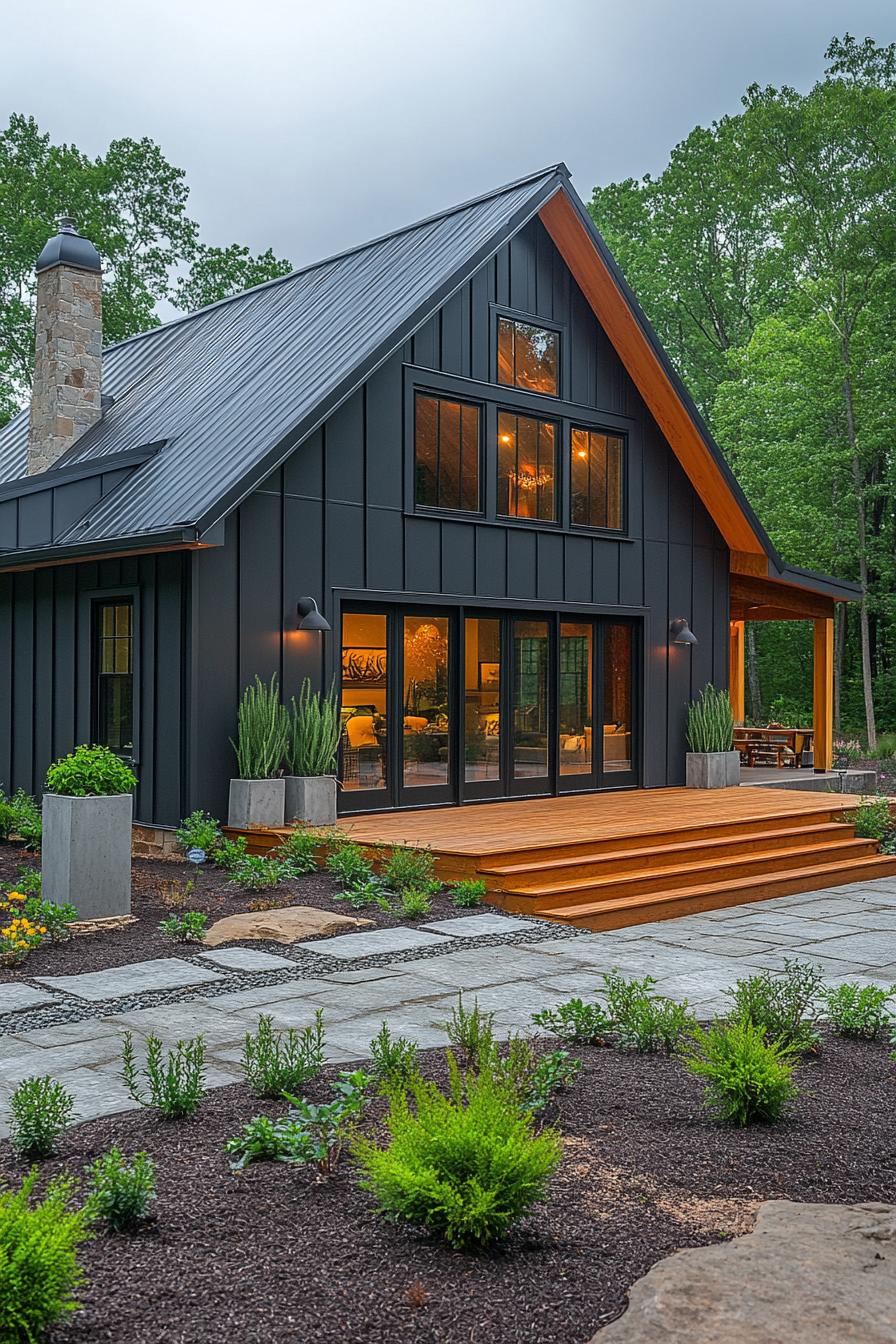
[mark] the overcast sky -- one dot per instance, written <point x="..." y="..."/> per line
<point x="310" y="127"/>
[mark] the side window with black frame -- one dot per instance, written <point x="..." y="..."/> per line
<point x="113" y="661"/>
<point x="527" y="467"/>
<point x="596" y="479"/>
<point x="528" y="356"/>
<point x="447" y="449"/>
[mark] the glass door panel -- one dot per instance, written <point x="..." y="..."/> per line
<point x="576" y="688"/>
<point x="482" y="706"/>
<point x="426" y="703"/>
<point x="530" y="705"/>
<point x="618" y="760"/>
<point x="364" y="704"/>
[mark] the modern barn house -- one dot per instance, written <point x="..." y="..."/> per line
<point x="462" y="443"/>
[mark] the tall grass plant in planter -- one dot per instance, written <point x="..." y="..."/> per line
<point x="258" y="795"/>
<point x="712" y="762"/>
<point x="86" y="848"/>
<point x="311" y="756"/>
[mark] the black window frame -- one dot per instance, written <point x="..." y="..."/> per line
<point x="497" y="312"/>
<point x="420" y="390"/>
<point x="600" y="529"/>
<point x="98" y="601"/>
<point x="560" y="509"/>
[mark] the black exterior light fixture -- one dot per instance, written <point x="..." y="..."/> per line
<point x="681" y="632"/>
<point x="841" y="768"/>
<point x="309" y="616"/>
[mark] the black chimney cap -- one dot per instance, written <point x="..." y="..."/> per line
<point x="68" y="248"/>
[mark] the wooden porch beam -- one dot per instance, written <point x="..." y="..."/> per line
<point x="823" y="693"/>
<point x="736" y="670"/>
<point x="756" y="593"/>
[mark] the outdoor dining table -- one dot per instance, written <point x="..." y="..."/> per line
<point x="750" y="741"/>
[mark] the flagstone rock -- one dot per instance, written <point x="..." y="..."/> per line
<point x="808" y="1274"/>
<point x="290" y="925"/>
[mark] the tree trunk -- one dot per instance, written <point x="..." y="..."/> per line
<point x="840" y="616"/>
<point x="753" y="674"/>
<point x="861" y="536"/>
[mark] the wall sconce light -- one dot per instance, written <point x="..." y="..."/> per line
<point x="309" y="616"/>
<point x="681" y="632"/>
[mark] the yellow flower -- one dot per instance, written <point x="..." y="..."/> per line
<point x="41" y="929"/>
<point x="16" y="896"/>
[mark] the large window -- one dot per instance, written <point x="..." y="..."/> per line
<point x="446" y="445"/>
<point x="364" y="700"/>
<point x="596" y="479"/>
<point x="527" y="467"/>
<point x="114" y="675"/>
<point x="528" y="356"/>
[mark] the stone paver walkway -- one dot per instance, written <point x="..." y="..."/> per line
<point x="411" y="977"/>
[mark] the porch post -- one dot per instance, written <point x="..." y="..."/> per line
<point x="823" y="693"/>
<point x="736" y="670"/>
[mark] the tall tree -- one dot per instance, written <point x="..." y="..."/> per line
<point x="218" y="272"/>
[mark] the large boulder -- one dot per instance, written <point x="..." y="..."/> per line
<point x="291" y="924"/>
<point x="808" y="1274"/>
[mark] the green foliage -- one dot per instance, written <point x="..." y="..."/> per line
<point x="262" y="735"/>
<point x="408" y="869"/>
<point x="230" y="853"/>
<point x="309" y="1134"/>
<point x="261" y="1140"/>
<point x="199" y="830"/>
<point x="710" y="721"/>
<point x="39" y="1270"/>
<point x="366" y="891"/>
<point x="176" y="1078"/>
<point x="413" y="904"/>
<point x="871" y="819"/>
<point x="39" y="1110"/>
<point x="279" y="1062"/>
<point x="394" y="1060"/>
<point x="300" y="850"/>
<point x="468" y="893"/>
<point x="860" y="1011"/>
<point x="186" y="928"/>
<point x="781" y="1005"/>
<point x="20" y="816"/>
<point x="217" y="272"/>
<point x="87" y="771"/>
<point x="472" y="1032"/>
<point x="643" y="1020"/>
<point x="256" y="872"/>
<point x="576" y="1022"/>
<point x="121" y="1191"/>
<point x="314" y="731"/>
<point x="467" y="1166"/>
<point x="29" y="881"/>
<point x="748" y="1076"/>
<point x="346" y="861"/>
<point x="534" y="1078"/>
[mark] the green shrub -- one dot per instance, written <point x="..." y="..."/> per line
<point x="710" y="721"/>
<point x="467" y="1166"/>
<point x="576" y="1022"/>
<point x="394" y="1060"/>
<point x="534" y="1078"/>
<point x="299" y="850"/>
<point x="7" y="818"/>
<point x="642" y="1020"/>
<point x="309" y="1134"/>
<point x="120" y="1191"/>
<point x="471" y="1032"/>
<point x="366" y="891"/>
<point x="314" y="730"/>
<point x="413" y="904"/>
<point x="29" y="881"/>
<point x="749" y="1077"/>
<point x="20" y="816"/>
<point x="256" y="872"/>
<point x="230" y="853"/>
<point x="859" y="1011"/>
<point x="278" y="1062"/>
<point x="467" y="894"/>
<point x="262" y="731"/>
<point x="176" y="1078"/>
<point x="871" y="818"/>
<point x="186" y="928"/>
<point x="199" y="830"/>
<point x="89" y="771"/>
<point x="55" y="919"/>
<point x="408" y="869"/>
<point x="347" y="862"/>
<point x="782" y="1004"/>
<point x="39" y="1270"/>
<point x="40" y="1110"/>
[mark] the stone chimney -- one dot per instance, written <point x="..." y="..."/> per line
<point x="66" y="394"/>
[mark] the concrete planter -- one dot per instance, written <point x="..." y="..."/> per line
<point x="713" y="769"/>
<point x="256" y="803"/>
<point x="312" y="799"/>
<point x="86" y="853"/>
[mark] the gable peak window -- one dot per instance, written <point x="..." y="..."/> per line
<point x="528" y="356"/>
<point x="596" y="479"/>
<point x="446" y="453"/>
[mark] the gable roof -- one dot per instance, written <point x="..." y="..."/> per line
<point x="231" y="390"/>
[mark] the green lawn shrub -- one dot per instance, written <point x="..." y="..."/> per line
<point x="175" y="1078"/>
<point x="121" y="1191"/>
<point x="278" y="1062"/>
<point x="40" y="1110"/>
<point x="748" y="1076"/>
<point x="39" y="1269"/>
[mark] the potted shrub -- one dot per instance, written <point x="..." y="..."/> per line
<point x="313" y="743"/>
<point x="712" y="762"/>
<point x="257" y="796"/>
<point x="86" y="847"/>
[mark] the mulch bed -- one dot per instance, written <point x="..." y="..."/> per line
<point x="272" y="1255"/>
<point x="159" y="891"/>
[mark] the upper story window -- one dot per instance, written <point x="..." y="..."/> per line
<point x="527" y="467"/>
<point x="596" y="479"/>
<point x="446" y="454"/>
<point x="528" y="356"/>
<point x="113" y="704"/>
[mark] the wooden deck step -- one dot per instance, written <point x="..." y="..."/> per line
<point x="621" y="912"/>
<point x="505" y="876"/>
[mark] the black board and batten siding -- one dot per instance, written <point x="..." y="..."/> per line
<point x="335" y="523"/>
